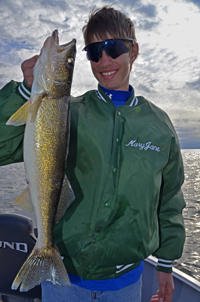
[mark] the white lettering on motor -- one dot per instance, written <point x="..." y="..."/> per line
<point x="18" y="246"/>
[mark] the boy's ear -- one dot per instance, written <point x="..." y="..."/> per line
<point x="135" y="52"/>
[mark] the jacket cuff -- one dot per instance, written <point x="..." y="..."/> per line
<point x="24" y="90"/>
<point x="164" y="266"/>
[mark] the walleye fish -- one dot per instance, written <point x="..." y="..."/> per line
<point x="46" y="139"/>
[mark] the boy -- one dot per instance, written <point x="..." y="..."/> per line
<point x="125" y="168"/>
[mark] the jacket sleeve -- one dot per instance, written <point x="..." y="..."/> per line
<point x="12" y="97"/>
<point x="171" y="224"/>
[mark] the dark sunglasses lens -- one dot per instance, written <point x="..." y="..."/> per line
<point x="113" y="48"/>
<point x="93" y="52"/>
<point x="116" y="49"/>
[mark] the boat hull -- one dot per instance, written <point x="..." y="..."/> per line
<point x="186" y="287"/>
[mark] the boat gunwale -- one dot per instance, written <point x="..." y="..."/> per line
<point x="190" y="281"/>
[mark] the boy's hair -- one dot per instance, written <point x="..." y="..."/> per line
<point x="108" y="20"/>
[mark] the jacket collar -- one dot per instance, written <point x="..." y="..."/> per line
<point x="132" y="101"/>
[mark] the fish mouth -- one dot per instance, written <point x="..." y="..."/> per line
<point x="63" y="46"/>
<point x="55" y="36"/>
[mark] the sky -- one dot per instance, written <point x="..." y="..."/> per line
<point x="167" y="71"/>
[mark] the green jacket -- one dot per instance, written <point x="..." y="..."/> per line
<point x="126" y="170"/>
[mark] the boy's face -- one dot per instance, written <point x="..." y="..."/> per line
<point x="112" y="73"/>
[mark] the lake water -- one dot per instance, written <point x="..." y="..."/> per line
<point x="190" y="260"/>
<point x="12" y="183"/>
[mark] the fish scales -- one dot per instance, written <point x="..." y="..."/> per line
<point x="48" y="148"/>
<point x="46" y="140"/>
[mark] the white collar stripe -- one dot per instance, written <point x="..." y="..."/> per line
<point x="101" y="97"/>
<point x="134" y="102"/>
<point x="23" y="94"/>
<point x="26" y="90"/>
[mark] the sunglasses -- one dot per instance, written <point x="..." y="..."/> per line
<point x="112" y="47"/>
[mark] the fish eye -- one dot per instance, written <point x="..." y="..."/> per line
<point x="70" y="61"/>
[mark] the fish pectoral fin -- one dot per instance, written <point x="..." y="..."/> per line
<point x="34" y="107"/>
<point x="20" y="116"/>
<point x="24" y="200"/>
<point x="66" y="198"/>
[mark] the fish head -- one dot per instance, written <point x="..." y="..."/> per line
<point x="53" y="71"/>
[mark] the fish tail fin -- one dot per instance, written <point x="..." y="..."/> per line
<point x="41" y="265"/>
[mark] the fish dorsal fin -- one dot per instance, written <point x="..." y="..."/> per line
<point x="66" y="198"/>
<point x="20" y="116"/>
<point x="34" y="107"/>
<point x="24" y="200"/>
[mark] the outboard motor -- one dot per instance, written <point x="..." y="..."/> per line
<point x="17" y="240"/>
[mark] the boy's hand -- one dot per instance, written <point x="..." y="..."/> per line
<point x="166" y="288"/>
<point x="27" y="69"/>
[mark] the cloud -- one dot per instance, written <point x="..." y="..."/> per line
<point x="2" y="65"/>
<point x="144" y="16"/>
<point x="196" y="2"/>
<point x="194" y="85"/>
<point x="147" y="25"/>
<point x="2" y="78"/>
<point x="149" y="11"/>
<point x="13" y="44"/>
<point x="144" y="88"/>
<point x="130" y="3"/>
<point x="54" y="3"/>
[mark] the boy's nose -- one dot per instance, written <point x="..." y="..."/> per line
<point x="105" y="59"/>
